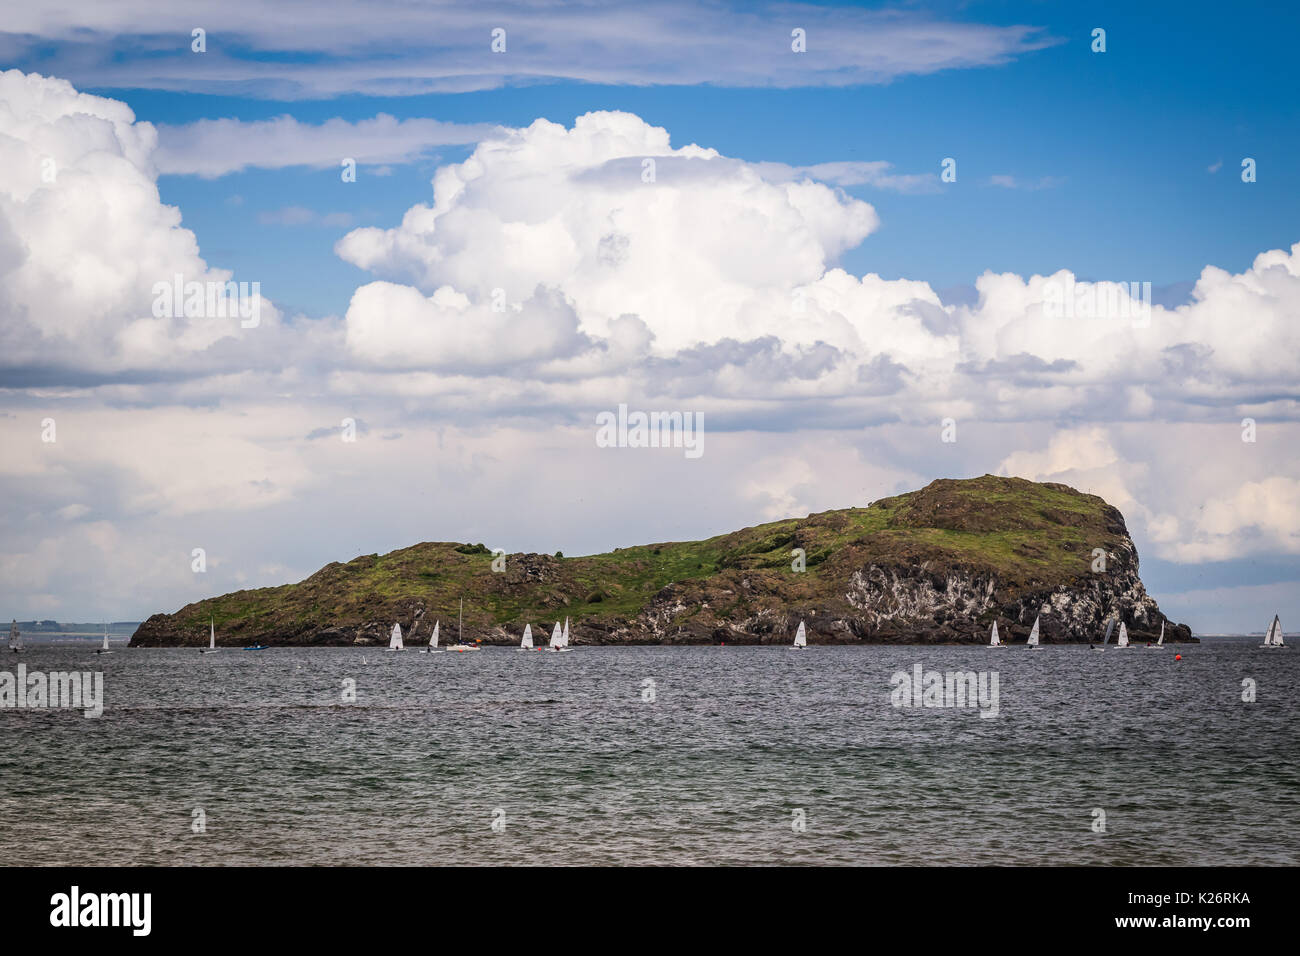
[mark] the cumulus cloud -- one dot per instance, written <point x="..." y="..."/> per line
<point x="397" y="327"/>
<point x="696" y="245"/>
<point x="711" y="250"/>
<point x="599" y="260"/>
<point x="1197" y="493"/>
<point x="85" y="238"/>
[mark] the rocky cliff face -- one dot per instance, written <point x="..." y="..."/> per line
<point x="938" y="565"/>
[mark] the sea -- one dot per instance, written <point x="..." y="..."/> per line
<point x="680" y="756"/>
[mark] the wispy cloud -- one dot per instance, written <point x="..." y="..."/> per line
<point x="1031" y="185"/>
<point x="878" y="174"/>
<point x="215" y="147"/>
<point x="302" y="216"/>
<point x="298" y="49"/>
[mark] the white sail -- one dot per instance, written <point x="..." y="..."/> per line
<point x="1033" y="635"/>
<point x="565" y="635"/>
<point x="557" y="636"/>
<point x="1160" y="641"/>
<point x="105" y="647"/>
<point x="433" y="638"/>
<point x="527" y="642"/>
<point x="801" y="636"/>
<point x="1109" y="627"/>
<point x="1123" y="636"/>
<point x="1273" y="637"/>
<point x="994" y="639"/>
<point x="212" y="635"/>
<point x="395" y="641"/>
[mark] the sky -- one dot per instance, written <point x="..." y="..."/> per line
<point x="834" y="251"/>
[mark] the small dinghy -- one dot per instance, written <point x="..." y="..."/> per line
<point x="1123" y="636"/>
<point x="395" y="639"/>
<point x="433" y="641"/>
<point x="994" y="639"/>
<point x="527" y="643"/>
<point x="558" y="642"/>
<point x="1160" y="642"/>
<point x="104" y="648"/>
<point x="212" y="639"/>
<point x="1032" y="643"/>
<point x="800" y="638"/>
<point x="1110" y="626"/>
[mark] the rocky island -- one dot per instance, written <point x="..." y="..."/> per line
<point x="934" y="566"/>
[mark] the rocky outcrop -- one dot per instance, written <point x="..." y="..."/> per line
<point x="938" y="565"/>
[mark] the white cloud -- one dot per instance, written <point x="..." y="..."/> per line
<point x="698" y="253"/>
<point x="1196" y="492"/>
<point x="84" y="237"/>
<point x="392" y="47"/>
<point x="215" y="147"/>
<point x="1256" y="516"/>
<point x="397" y="327"/>
<point x="878" y="174"/>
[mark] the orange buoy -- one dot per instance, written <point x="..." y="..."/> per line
<point x="1178" y="657"/>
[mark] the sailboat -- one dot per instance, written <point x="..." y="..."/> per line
<point x="800" y="638"/>
<point x="104" y="649"/>
<point x="994" y="639"/>
<point x="1123" y="636"/>
<point x="565" y="636"/>
<point x="395" y="639"/>
<point x="1273" y="638"/>
<point x="460" y="630"/>
<point x="1110" y="626"/>
<point x="557" y="639"/>
<point x="1160" y="642"/>
<point x="527" y="643"/>
<point x="1032" y="643"/>
<point x="433" y="641"/>
<point x="212" y="639"/>
<point x="15" y="637"/>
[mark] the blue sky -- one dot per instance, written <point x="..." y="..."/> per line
<point x="1122" y="166"/>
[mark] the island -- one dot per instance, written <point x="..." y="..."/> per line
<point x="935" y="566"/>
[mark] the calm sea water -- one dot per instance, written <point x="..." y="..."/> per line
<point x="583" y="769"/>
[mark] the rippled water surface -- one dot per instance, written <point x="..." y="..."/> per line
<point x="585" y="770"/>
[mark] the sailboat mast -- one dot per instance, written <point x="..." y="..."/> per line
<point x="460" y="624"/>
